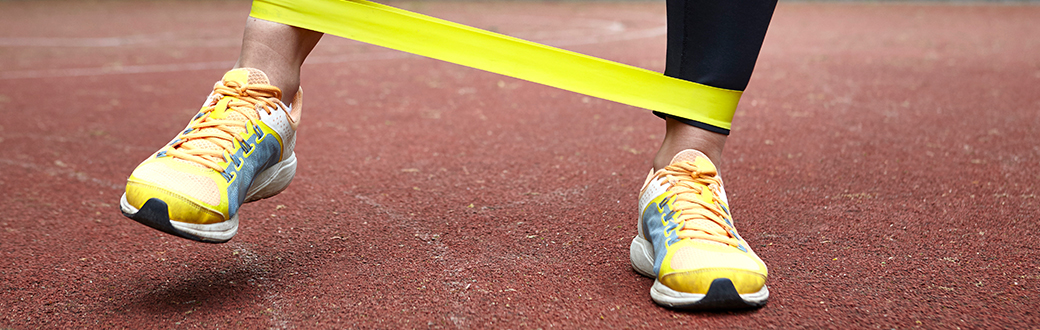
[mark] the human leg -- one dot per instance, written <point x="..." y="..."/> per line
<point x="687" y="240"/>
<point x="278" y="50"/>
<point x="238" y="148"/>
<point x="715" y="43"/>
<point x="680" y="136"/>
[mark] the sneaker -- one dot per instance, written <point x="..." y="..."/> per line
<point x="237" y="149"/>
<point x="687" y="241"/>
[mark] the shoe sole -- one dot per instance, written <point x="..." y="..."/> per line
<point x="155" y="212"/>
<point x="721" y="294"/>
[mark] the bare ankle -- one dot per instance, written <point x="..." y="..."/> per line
<point x="680" y="136"/>
<point x="286" y="78"/>
<point x="278" y="50"/>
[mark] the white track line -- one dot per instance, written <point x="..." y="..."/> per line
<point x="615" y="32"/>
<point x="139" y="41"/>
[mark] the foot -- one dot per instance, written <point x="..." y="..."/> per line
<point x="687" y="241"/>
<point x="237" y="149"/>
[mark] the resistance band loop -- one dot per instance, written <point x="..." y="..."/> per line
<point x="406" y="31"/>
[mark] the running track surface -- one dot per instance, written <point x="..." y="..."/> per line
<point x="884" y="162"/>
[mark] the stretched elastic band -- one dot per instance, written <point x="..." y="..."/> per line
<point x="406" y="31"/>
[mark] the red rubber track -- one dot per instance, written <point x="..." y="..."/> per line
<point x="885" y="162"/>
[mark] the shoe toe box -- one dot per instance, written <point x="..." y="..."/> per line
<point x="692" y="268"/>
<point x="190" y="196"/>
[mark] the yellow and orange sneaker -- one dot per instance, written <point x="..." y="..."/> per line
<point x="687" y="241"/>
<point x="237" y="149"/>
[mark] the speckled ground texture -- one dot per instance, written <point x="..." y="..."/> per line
<point x="885" y="162"/>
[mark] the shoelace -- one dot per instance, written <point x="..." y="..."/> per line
<point x="699" y="219"/>
<point x="223" y="132"/>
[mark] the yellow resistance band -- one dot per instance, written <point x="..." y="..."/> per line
<point x="406" y="31"/>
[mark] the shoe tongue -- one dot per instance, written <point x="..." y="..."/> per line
<point x="247" y="76"/>
<point x="244" y="76"/>
<point x="704" y="165"/>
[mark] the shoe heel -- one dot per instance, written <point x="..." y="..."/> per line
<point x="272" y="181"/>
<point x="640" y="255"/>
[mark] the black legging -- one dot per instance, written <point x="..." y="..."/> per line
<point x="715" y="43"/>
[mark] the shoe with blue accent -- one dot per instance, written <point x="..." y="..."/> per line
<point x="687" y="241"/>
<point x="237" y="149"/>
